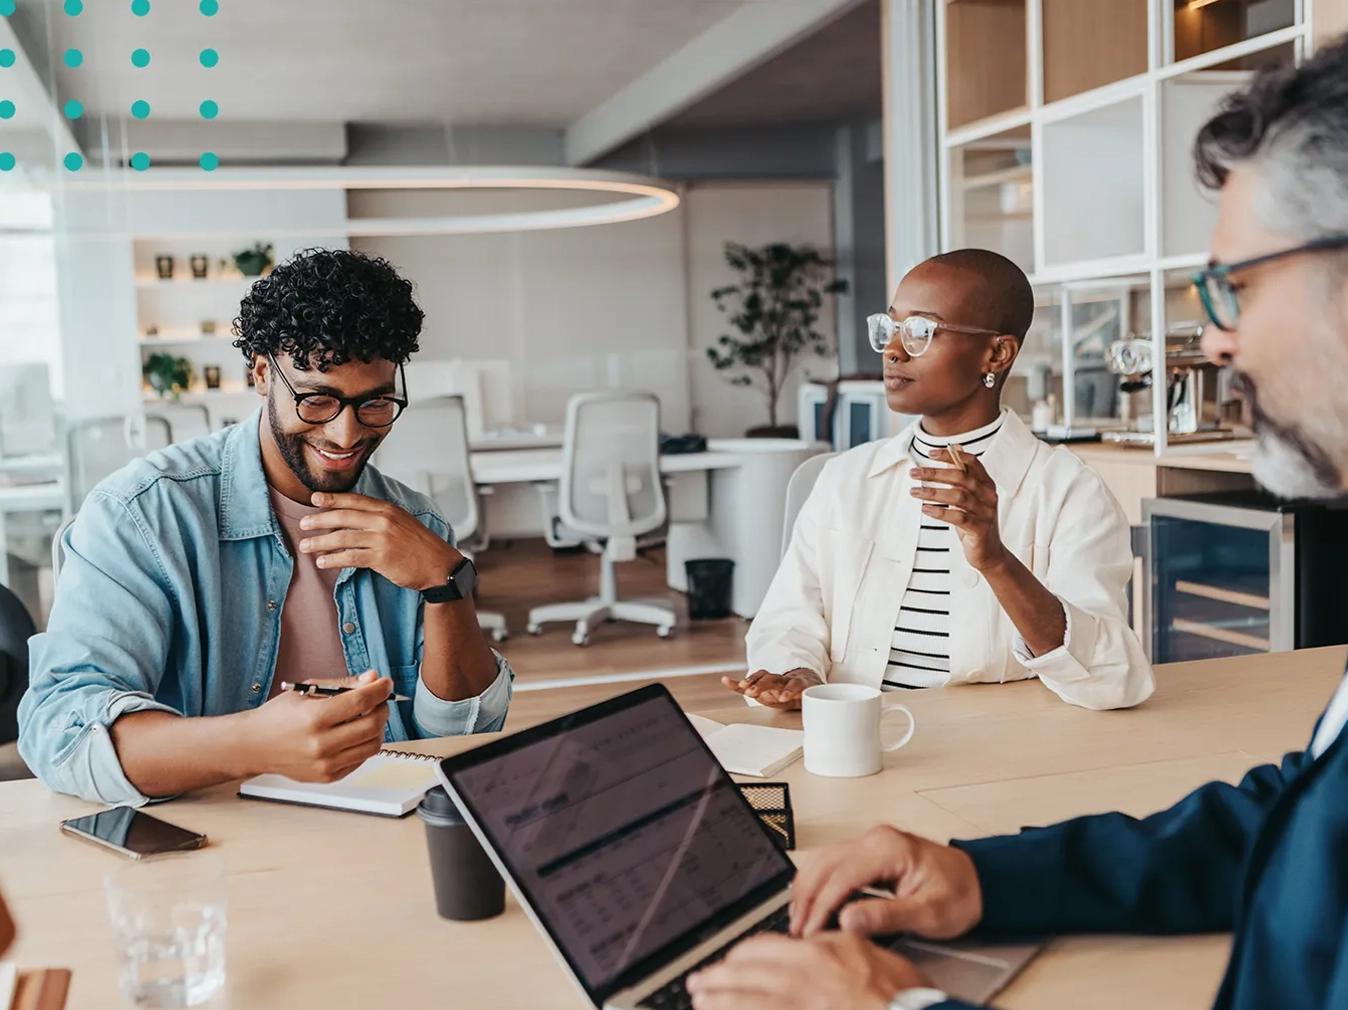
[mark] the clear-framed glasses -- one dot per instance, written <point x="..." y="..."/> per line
<point x="1221" y="296"/>
<point x="915" y="332"/>
<point x="378" y="411"/>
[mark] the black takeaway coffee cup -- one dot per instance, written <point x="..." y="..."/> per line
<point x="467" y="886"/>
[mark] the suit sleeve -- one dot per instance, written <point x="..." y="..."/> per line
<point x="1177" y="871"/>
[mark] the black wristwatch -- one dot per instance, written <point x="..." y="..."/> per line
<point x="460" y="584"/>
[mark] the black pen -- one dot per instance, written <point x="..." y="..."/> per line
<point x="320" y="691"/>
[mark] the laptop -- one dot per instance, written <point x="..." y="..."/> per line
<point x="634" y="853"/>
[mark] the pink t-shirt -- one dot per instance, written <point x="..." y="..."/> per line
<point x="311" y="642"/>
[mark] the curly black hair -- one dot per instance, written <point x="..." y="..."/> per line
<point x="325" y="307"/>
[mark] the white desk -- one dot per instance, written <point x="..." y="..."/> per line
<point x="44" y="497"/>
<point x="727" y="502"/>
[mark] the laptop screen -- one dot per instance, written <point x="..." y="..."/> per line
<point x="627" y="839"/>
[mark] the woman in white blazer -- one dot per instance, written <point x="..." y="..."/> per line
<point x="909" y="568"/>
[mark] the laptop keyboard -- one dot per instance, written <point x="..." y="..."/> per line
<point x="673" y="995"/>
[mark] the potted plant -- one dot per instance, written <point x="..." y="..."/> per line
<point x="774" y="309"/>
<point x="167" y="374"/>
<point x="255" y="261"/>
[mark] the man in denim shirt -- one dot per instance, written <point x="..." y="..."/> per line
<point x="200" y="578"/>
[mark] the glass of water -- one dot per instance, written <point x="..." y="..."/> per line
<point x="168" y="917"/>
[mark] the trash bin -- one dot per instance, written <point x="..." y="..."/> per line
<point x="709" y="584"/>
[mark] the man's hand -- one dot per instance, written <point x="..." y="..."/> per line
<point x="936" y="889"/>
<point x="371" y="533"/>
<point x="833" y="971"/>
<point x="318" y="739"/>
<point x="968" y="502"/>
<point x="776" y="691"/>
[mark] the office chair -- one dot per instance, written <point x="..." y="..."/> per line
<point x="97" y="447"/>
<point x="181" y="422"/>
<point x="428" y="450"/>
<point x="611" y="494"/>
<point x="798" y="489"/>
<point x="16" y="627"/>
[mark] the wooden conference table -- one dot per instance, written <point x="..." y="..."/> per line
<point x="335" y="910"/>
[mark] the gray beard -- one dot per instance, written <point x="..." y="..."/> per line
<point x="1282" y="468"/>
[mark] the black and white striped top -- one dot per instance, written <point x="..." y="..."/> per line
<point x="919" y="654"/>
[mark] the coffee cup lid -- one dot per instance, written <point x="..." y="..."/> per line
<point x="437" y="806"/>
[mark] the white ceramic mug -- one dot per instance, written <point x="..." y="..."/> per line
<point x="842" y="729"/>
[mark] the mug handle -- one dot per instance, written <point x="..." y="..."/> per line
<point x="888" y="707"/>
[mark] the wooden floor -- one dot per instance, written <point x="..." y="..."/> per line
<point x="523" y="574"/>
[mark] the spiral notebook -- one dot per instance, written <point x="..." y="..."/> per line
<point x="391" y="784"/>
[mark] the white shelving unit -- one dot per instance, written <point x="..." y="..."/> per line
<point x="1066" y="129"/>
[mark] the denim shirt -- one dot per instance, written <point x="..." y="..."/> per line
<point x="170" y="599"/>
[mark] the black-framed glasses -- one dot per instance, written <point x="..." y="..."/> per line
<point x="377" y="411"/>
<point x="915" y="332"/>
<point x="1220" y="295"/>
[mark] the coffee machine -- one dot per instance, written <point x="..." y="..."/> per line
<point x="1196" y="389"/>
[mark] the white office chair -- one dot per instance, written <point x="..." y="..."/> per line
<point x="798" y="489"/>
<point x="611" y="494"/>
<point x="428" y="450"/>
<point x="182" y="423"/>
<point x="97" y="447"/>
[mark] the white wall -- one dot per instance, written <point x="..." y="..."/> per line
<point x="751" y="213"/>
<point x="571" y="310"/>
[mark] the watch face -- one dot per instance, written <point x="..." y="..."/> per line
<point x="464" y="578"/>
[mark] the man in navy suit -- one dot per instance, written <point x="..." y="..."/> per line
<point x="1267" y="859"/>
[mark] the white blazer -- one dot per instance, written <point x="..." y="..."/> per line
<point x="833" y="603"/>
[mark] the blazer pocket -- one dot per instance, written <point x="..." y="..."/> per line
<point x="850" y="557"/>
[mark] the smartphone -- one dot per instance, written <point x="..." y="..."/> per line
<point x="132" y="833"/>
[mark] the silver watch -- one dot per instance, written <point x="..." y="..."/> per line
<point x="917" y="999"/>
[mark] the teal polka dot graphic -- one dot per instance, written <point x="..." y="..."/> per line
<point x="140" y="109"/>
<point x="74" y="8"/>
<point x="6" y="58"/>
<point x="140" y="7"/>
<point x="210" y="7"/>
<point x="6" y="161"/>
<point x="6" y="8"/>
<point x="73" y="161"/>
<point x="209" y="58"/>
<point x="6" y="109"/>
<point x="73" y="109"/>
<point x="210" y="161"/>
<point x="73" y="58"/>
<point x="140" y="58"/>
<point x="140" y="161"/>
<point x="209" y="110"/>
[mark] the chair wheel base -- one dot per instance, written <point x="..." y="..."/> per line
<point x="499" y="636"/>
<point x="535" y="629"/>
<point x="579" y="639"/>
<point x="664" y="632"/>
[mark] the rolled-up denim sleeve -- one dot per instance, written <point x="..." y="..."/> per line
<point x="102" y="656"/>
<point x="483" y="713"/>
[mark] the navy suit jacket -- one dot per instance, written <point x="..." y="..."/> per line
<point x="1267" y="859"/>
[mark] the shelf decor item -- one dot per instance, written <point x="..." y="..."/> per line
<point x="775" y="309"/>
<point x="163" y="267"/>
<point x="167" y="374"/>
<point x="152" y="331"/>
<point x="256" y="261"/>
<point x="211" y="373"/>
<point x="199" y="263"/>
<point x="208" y="327"/>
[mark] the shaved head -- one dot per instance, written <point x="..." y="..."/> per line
<point x="1001" y="298"/>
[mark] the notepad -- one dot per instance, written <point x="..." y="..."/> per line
<point x="747" y="749"/>
<point x="391" y="783"/>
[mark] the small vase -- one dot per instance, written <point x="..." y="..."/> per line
<point x="163" y="267"/>
<point x="199" y="264"/>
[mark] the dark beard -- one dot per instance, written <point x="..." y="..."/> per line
<point x="1319" y="464"/>
<point x="292" y="451"/>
